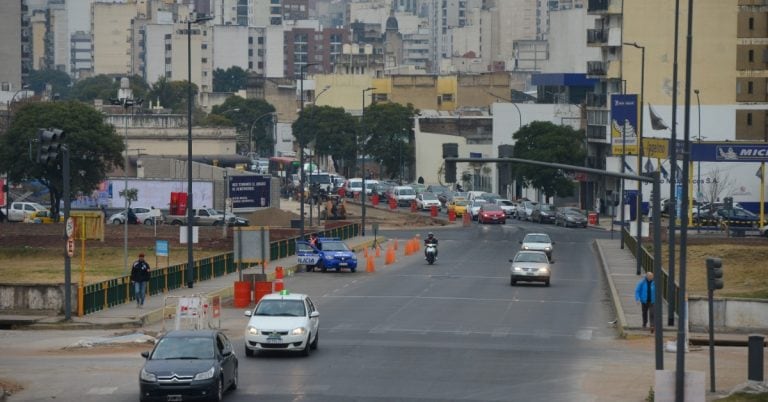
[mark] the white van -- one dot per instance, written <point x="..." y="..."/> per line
<point x="354" y="186"/>
<point x="404" y="195"/>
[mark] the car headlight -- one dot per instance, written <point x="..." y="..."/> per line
<point x="299" y="331"/>
<point x="548" y="248"/>
<point x="147" y="376"/>
<point x="252" y="330"/>
<point x="517" y="269"/>
<point x="525" y="247"/>
<point x="328" y="257"/>
<point x="354" y="257"/>
<point x="205" y="374"/>
<point x="544" y="270"/>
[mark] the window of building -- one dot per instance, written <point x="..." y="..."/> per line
<point x="167" y="60"/>
<point x="751" y="23"/>
<point x="751" y="56"/>
<point x="260" y="64"/>
<point x="250" y="52"/>
<point x="749" y="119"/>
<point x="204" y="46"/>
<point x="750" y="87"/>
<point x="204" y="60"/>
<point x="250" y="40"/>
<point x="167" y="36"/>
<point x="260" y="40"/>
<point x="250" y="65"/>
<point x="168" y="47"/>
<point x="447" y="97"/>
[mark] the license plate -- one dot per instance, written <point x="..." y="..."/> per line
<point x="174" y="398"/>
<point x="495" y="218"/>
<point x="274" y="340"/>
<point x="307" y="260"/>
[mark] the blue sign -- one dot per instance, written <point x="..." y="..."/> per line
<point x="475" y="155"/>
<point x="249" y="191"/>
<point x="161" y="248"/>
<point x="729" y="152"/>
<point x="624" y="112"/>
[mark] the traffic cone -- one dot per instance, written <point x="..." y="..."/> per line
<point x="395" y="244"/>
<point x="365" y="252"/>
<point x="378" y="251"/>
<point x="279" y="274"/>
<point x="370" y="267"/>
<point x="407" y="250"/>
<point x="390" y="258"/>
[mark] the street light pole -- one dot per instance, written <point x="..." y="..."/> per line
<point x="190" y="213"/>
<point x="698" y="178"/>
<point x="639" y="213"/>
<point x="365" y="137"/>
<point x="250" y="130"/>
<point x="317" y="157"/>
<point x="301" y="147"/>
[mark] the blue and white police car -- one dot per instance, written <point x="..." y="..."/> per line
<point x="329" y="253"/>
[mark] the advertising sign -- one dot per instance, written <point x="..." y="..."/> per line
<point x="624" y="112"/>
<point x="249" y="191"/>
<point x="161" y="248"/>
<point x="729" y="152"/>
<point x="658" y="148"/>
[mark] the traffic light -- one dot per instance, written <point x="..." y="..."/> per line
<point x="49" y="143"/>
<point x="714" y="273"/>
<point x="450" y="150"/>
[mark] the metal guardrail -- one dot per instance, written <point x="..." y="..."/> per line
<point x="646" y="262"/>
<point x="112" y="292"/>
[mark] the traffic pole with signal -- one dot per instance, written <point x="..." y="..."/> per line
<point x="714" y="282"/>
<point x="50" y="145"/>
<point x="450" y="150"/>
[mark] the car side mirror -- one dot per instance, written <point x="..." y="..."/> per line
<point x="511" y="260"/>
<point x="521" y="242"/>
<point x="551" y="261"/>
<point x="145" y="354"/>
<point x="247" y="313"/>
<point x="314" y="314"/>
<point x="226" y="352"/>
<point x="553" y="243"/>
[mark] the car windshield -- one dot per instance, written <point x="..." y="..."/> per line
<point x="303" y="247"/>
<point x="282" y="308"/>
<point x="437" y="189"/>
<point x="461" y="203"/>
<point x="191" y="348"/>
<point x="370" y="185"/>
<point x="477" y="202"/>
<point x="505" y="202"/>
<point x="428" y="197"/>
<point x="407" y="191"/>
<point x="491" y="207"/>
<point x="575" y="214"/>
<point x="335" y="246"/>
<point x="319" y="179"/>
<point x="531" y="257"/>
<point x="536" y="238"/>
<point x="545" y="207"/>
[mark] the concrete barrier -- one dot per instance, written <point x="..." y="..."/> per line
<point x="730" y="314"/>
<point x="34" y="298"/>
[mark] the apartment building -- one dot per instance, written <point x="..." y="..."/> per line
<point x="81" y="59"/>
<point x="111" y="34"/>
<point x="13" y="45"/>
<point x="306" y="45"/>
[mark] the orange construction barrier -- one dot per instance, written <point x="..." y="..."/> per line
<point x="242" y="294"/>
<point x="279" y="273"/>
<point x="369" y="266"/>
<point x="467" y="220"/>
<point x="408" y="249"/>
<point x="262" y="289"/>
<point x="375" y="199"/>
<point x="392" y="203"/>
<point x="451" y="216"/>
<point x="413" y="206"/>
<point x="433" y="211"/>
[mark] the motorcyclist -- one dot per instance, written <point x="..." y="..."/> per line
<point x="431" y="239"/>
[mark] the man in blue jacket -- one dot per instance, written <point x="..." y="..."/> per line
<point x="645" y="294"/>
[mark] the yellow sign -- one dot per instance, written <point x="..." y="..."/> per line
<point x="657" y="148"/>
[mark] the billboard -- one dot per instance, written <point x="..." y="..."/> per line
<point x="249" y="191"/>
<point x="624" y="112"/>
<point x="157" y="193"/>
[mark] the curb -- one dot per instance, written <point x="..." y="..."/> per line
<point x="621" y="320"/>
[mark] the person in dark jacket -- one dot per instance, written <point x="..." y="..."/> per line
<point x="140" y="277"/>
<point x="645" y="294"/>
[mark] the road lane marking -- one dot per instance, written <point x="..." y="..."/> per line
<point x="513" y="300"/>
<point x="102" y="391"/>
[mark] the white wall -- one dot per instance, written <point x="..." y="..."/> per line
<point x="273" y="41"/>
<point x="230" y="46"/>
<point x="154" y="60"/>
<point x="568" y="50"/>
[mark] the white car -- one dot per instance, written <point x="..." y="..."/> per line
<point x="474" y="207"/>
<point x="538" y="242"/>
<point x="425" y="201"/>
<point x="282" y="321"/>
<point x="143" y="215"/>
<point x="506" y="205"/>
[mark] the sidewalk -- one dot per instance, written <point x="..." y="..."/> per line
<point x="127" y="315"/>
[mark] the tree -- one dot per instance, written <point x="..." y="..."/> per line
<point x="59" y="81"/>
<point x="105" y="88"/>
<point x="388" y="132"/>
<point x="232" y="79"/>
<point x="547" y="142"/>
<point x="250" y="117"/>
<point x="171" y="94"/>
<point x="94" y="147"/>
<point x="719" y="184"/>
<point x="333" y="131"/>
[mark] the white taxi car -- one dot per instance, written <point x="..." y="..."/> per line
<point x="538" y="242"/>
<point x="282" y="321"/>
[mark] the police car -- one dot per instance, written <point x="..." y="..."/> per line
<point x="329" y="253"/>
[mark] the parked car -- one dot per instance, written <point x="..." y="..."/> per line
<point x="23" y="211"/>
<point x="525" y="209"/>
<point x="189" y="365"/>
<point x="327" y="253"/>
<point x="353" y="186"/>
<point x="543" y="213"/>
<point x="737" y="217"/>
<point x="570" y="216"/>
<point x="139" y="215"/>
<point x="491" y="213"/>
<point x="425" y="201"/>
<point x="538" y="242"/>
<point x="506" y="205"/>
<point x="282" y="322"/>
<point x="530" y="266"/>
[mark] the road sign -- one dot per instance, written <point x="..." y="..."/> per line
<point x="70" y="246"/>
<point x="70" y="227"/>
<point x="161" y="248"/>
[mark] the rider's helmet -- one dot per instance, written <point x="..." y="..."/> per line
<point x="430" y="235"/>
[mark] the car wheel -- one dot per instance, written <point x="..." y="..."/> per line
<point x="117" y="222"/>
<point x="546" y="283"/>
<point x="248" y="352"/>
<point x="512" y="281"/>
<point x="235" y="380"/>
<point x="305" y="351"/>
<point x="219" y="391"/>
<point x="148" y="222"/>
<point x="321" y="265"/>
<point x="314" y="343"/>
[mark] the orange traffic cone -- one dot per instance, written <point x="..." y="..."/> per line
<point x="370" y="267"/>
<point x="390" y="258"/>
<point x="408" y="249"/>
<point x="365" y="252"/>
<point x="395" y="244"/>
<point x="378" y="251"/>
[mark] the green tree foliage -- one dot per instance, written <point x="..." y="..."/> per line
<point x="331" y="130"/>
<point x="106" y="88"/>
<point x="59" y="80"/>
<point x="171" y="94"/>
<point x="95" y="149"/>
<point x="252" y="118"/>
<point x="547" y="142"/>
<point x="232" y="79"/>
<point x="388" y="131"/>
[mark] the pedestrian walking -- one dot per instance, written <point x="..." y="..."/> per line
<point x="140" y="277"/>
<point x="645" y="294"/>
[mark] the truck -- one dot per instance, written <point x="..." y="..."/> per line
<point x="202" y="217"/>
<point x="24" y="211"/>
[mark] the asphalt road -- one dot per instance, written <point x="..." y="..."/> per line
<point x="452" y="331"/>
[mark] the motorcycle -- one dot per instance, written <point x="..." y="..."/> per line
<point x="431" y="253"/>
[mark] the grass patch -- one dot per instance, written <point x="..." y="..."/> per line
<point x="45" y="265"/>
<point x="743" y="397"/>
